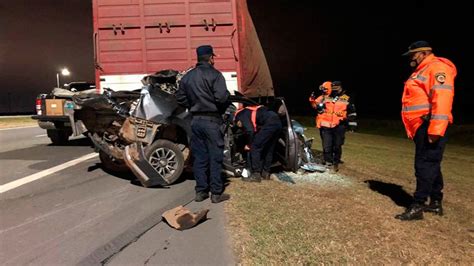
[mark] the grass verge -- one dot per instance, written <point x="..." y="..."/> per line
<point x="11" y="122"/>
<point x="312" y="223"/>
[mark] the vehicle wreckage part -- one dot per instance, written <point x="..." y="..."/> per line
<point x="112" y="164"/>
<point x="314" y="167"/>
<point x="101" y="145"/>
<point x="136" y="129"/>
<point x="134" y="157"/>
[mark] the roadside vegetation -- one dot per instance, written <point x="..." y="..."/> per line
<point x="352" y="221"/>
<point x="21" y="121"/>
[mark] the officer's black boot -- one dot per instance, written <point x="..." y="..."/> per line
<point x="200" y="196"/>
<point x="216" y="198"/>
<point x="254" y="177"/>
<point x="414" y="212"/>
<point x="265" y="175"/>
<point x="435" y="207"/>
<point x="335" y="167"/>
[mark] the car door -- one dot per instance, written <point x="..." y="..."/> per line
<point x="287" y="148"/>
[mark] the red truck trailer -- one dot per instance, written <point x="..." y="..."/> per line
<point x="134" y="38"/>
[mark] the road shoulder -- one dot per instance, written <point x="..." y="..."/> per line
<point x="208" y="243"/>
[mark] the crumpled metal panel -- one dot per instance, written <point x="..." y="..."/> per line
<point x="157" y="106"/>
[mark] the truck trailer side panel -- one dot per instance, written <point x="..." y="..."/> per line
<point x="134" y="38"/>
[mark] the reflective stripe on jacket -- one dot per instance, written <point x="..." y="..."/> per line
<point x="334" y="112"/>
<point x="428" y="95"/>
<point x="253" y="116"/>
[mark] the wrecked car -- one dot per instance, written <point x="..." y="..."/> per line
<point x="147" y="132"/>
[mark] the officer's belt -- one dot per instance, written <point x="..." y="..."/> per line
<point x="210" y="116"/>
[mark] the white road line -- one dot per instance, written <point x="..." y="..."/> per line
<point x="42" y="135"/>
<point x="10" y="128"/>
<point x="25" y="180"/>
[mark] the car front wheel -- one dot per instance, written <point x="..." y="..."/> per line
<point x="167" y="159"/>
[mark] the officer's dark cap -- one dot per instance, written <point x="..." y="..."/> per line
<point x="204" y="50"/>
<point x="418" y="46"/>
<point x="336" y="83"/>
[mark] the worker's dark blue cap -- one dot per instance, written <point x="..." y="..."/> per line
<point x="336" y="83"/>
<point x="204" y="50"/>
<point x="418" y="46"/>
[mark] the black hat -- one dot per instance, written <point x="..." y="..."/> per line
<point x="418" y="46"/>
<point x="204" y="50"/>
<point x="336" y="83"/>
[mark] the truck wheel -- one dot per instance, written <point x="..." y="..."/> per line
<point x="111" y="164"/>
<point x="167" y="159"/>
<point x="58" y="137"/>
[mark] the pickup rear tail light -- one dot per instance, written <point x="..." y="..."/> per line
<point x="39" y="111"/>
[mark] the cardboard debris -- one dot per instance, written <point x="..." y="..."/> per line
<point x="182" y="218"/>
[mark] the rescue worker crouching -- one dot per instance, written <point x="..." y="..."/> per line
<point x="262" y="128"/>
<point x="333" y="107"/>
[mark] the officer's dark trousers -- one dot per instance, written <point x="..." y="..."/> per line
<point x="428" y="156"/>
<point x="332" y="140"/>
<point x="263" y="146"/>
<point x="207" y="147"/>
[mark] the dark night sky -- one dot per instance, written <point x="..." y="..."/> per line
<point x="352" y="41"/>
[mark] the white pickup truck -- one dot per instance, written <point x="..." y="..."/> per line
<point x="55" y="112"/>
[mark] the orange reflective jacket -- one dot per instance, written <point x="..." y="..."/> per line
<point x="334" y="112"/>
<point x="428" y="94"/>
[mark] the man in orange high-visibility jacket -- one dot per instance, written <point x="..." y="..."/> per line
<point x="426" y="112"/>
<point x="333" y="107"/>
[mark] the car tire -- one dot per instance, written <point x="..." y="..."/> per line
<point x="58" y="137"/>
<point x="167" y="159"/>
<point x="111" y="164"/>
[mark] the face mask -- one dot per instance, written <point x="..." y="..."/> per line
<point x="336" y="92"/>
<point x="414" y="62"/>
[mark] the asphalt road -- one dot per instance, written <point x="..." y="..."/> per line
<point x="83" y="215"/>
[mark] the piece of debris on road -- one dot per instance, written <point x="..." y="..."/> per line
<point x="182" y="218"/>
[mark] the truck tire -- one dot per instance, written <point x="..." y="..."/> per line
<point x="111" y="164"/>
<point x="167" y="159"/>
<point x="58" y="137"/>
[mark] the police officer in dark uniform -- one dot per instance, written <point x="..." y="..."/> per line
<point x="262" y="128"/>
<point x="204" y="92"/>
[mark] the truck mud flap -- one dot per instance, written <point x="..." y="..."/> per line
<point x="134" y="157"/>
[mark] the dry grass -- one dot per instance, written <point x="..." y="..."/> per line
<point x="313" y="222"/>
<point x="11" y="122"/>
